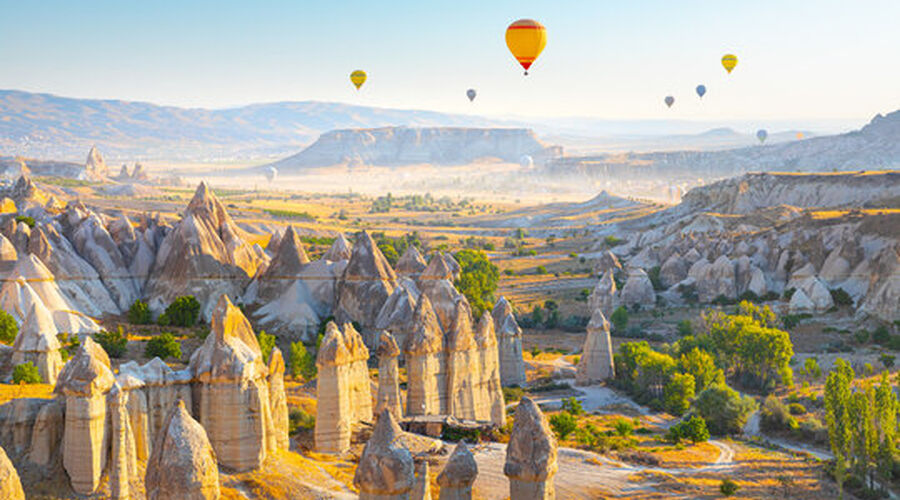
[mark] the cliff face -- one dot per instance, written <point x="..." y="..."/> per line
<point x="394" y="146"/>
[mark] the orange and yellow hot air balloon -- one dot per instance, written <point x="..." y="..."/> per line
<point x="526" y="39"/>
<point x="358" y="78"/>
<point x="729" y="61"/>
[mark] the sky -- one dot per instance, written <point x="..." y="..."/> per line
<point x="605" y="59"/>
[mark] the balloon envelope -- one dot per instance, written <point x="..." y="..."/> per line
<point x="358" y="78"/>
<point x="729" y="61"/>
<point x="669" y="100"/>
<point x="271" y="173"/>
<point x="761" y="134"/>
<point x="799" y="135"/>
<point x="701" y="90"/>
<point x="471" y="94"/>
<point x="526" y="161"/>
<point x="526" y="39"/>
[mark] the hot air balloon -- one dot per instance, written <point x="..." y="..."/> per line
<point x="471" y="94"/>
<point x="526" y="39"/>
<point x="761" y="134"/>
<point x="526" y="161"/>
<point x="729" y="61"/>
<point x="799" y="135"/>
<point x="271" y="173"/>
<point x="701" y="90"/>
<point x="669" y="100"/>
<point x="358" y="78"/>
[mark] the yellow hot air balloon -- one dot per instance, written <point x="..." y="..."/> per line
<point x="358" y="78"/>
<point x="799" y="136"/>
<point x="526" y="39"/>
<point x="729" y="61"/>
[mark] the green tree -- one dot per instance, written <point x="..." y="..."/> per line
<point x="702" y="366"/>
<point x="886" y="416"/>
<point x="563" y="424"/>
<point x="184" y="311"/>
<point x="619" y="319"/>
<point x="693" y="429"/>
<point x="728" y="487"/>
<point x="114" y="343"/>
<point x="685" y="328"/>
<point x="775" y="415"/>
<point x="679" y="392"/>
<point x="8" y="328"/>
<point x="477" y="279"/>
<point x="724" y="410"/>
<point x="811" y="368"/>
<point x="572" y="405"/>
<point x="266" y="344"/>
<point x="163" y="346"/>
<point x="139" y="313"/>
<point x="302" y="363"/>
<point x="26" y="373"/>
<point x="838" y="416"/>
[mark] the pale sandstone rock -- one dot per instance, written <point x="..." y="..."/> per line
<point x="800" y="303"/>
<point x="396" y="316"/>
<point x="835" y="269"/>
<point x="84" y="381"/>
<point x="183" y="464"/>
<point x="422" y="488"/>
<point x="388" y="377"/>
<point x="638" y="290"/>
<point x="386" y="469"/>
<point x="366" y="284"/>
<point x="339" y="250"/>
<point x="531" y="454"/>
<point x="673" y="270"/>
<point x="606" y="263"/>
<point x="37" y="343"/>
<point x="509" y="339"/>
<point x="411" y="263"/>
<point x="436" y="282"/>
<point x="288" y="261"/>
<point x="596" y="362"/>
<point x="458" y="475"/>
<point x="278" y="400"/>
<point x="333" y="410"/>
<point x="426" y="375"/>
<point x="492" y="407"/>
<point x="603" y="296"/>
<point x="123" y="455"/>
<point x="47" y="434"/>
<point x="464" y="386"/>
<point x="10" y="486"/>
<point x="360" y="385"/>
<point x="230" y="391"/>
<point x="7" y="250"/>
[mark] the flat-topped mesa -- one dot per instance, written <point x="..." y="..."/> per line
<point x="388" y="377"/>
<point x="531" y="454"/>
<point x="84" y="382"/>
<point x="10" y="485"/>
<point x="386" y="469"/>
<point x="230" y="390"/>
<point x="491" y="405"/>
<point x="37" y="343"/>
<point x="458" y="475"/>
<point x="183" y="464"/>
<point x="411" y="263"/>
<point x="603" y="296"/>
<point x="366" y="284"/>
<point x="205" y="244"/>
<point x="436" y="282"/>
<point x="333" y="411"/>
<point x="596" y="363"/>
<point x="509" y="339"/>
<point x="278" y="401"/>
<point x="360" y="384"/>
<point x="426" y="371"/>
<point x="340" y="249"/>
<point x="463" y="366"/>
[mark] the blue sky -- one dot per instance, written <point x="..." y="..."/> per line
<point x="606" y="59"/>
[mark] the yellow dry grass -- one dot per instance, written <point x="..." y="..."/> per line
<point x="15" y="391"/>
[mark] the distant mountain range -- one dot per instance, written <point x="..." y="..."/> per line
<point x="51" y="127"/>
<point x="875" y="146"/>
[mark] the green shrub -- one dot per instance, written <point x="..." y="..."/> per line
<point x="797" y="409"/>
<point x="685" y="328"/>
<point x="623" y="427"/>
<point x="612" y="241"/>
<point x="775" y="416"/>
<point x="540" y="270"/>
<point x="512" y="394"/>
<point x="887" y="360"/>
<point x="653" y="274"/>
<point x="619" y="319"/>
<point x="29" y="221"/>
<point x="163" y="346"/>
<point x="572" y="405"/>
<point x="861" y="336"/>
<point x="841" y="297"/>
<point x="881" y="335"/>
<point x="724" y="410"/>
<point x="139" y="313"/>
<point x="811" y="368"/>
<point x="728" y="487"/>
<point x="300" y="420"/>
<point x="478" y="279"/>
<point x="26" y="373"/>
<point x="563" y="424"/>
<point x="184" y="311"/>
<point x="68" y="344"/>
<point x="679" y="392"/>
<point x="693" y="429"/>
<point x="788" y="294"/>
<point x="114" y="343"/>
<point x="266" y="344"/>
<point x="302" y="363"/>
<point x="8" y="328"/>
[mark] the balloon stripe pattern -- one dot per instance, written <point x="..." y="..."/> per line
<point x="526" y="39"/>
<point x="358" y="78"/>
<point x="729" y="61"/>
